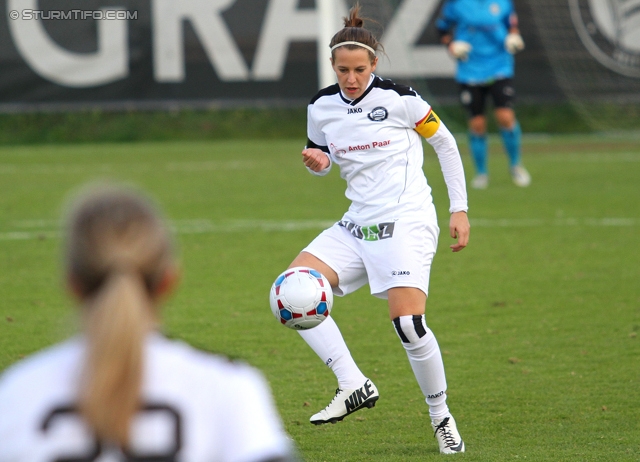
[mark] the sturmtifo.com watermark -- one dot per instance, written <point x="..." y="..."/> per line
<point x="73" y="14"/>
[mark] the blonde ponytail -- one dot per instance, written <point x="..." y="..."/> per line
<point x="118" y="252"/>
<point x="116" y="323"/>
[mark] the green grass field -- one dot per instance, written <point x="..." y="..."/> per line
<point x="538" y="318"/>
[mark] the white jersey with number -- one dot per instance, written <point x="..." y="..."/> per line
<point x="197" y="407"/>
<point x="375" y="140"/>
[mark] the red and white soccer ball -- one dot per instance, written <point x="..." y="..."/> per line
<point x="301" y="298"/>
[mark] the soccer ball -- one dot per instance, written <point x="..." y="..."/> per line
<point x="301" y="298"/>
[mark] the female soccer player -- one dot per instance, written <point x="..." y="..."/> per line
<point x="483" y="36"/>
<point x="121" y="390"/>
<point x="371" y="128"/>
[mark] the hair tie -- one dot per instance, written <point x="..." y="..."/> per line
<point x="350" y="42"/>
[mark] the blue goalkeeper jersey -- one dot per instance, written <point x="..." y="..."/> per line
<point x="484" y="24"/>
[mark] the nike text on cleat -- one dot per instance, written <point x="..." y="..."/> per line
<point x="346" y="402"/>
<point x="447" y="435"/>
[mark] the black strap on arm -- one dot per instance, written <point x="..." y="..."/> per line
<point x="311" y="144"/>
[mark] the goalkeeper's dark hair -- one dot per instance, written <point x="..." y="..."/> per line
<point x="354" y="31"/>
<point x="118" y="255"/>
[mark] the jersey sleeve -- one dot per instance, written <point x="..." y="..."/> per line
<point x="429" y="126"/>
<point x="446" y="148"/>
<point x="316" y="139"/>
<point x="446" y="21"/>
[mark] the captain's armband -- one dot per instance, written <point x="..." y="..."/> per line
<point x="428" y="126"/>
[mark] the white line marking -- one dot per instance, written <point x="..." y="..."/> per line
<point x="187" y="167"/>
<point x="49" y="229"/>
<point x="226" y="165"/>
<point x="590" y="157"/>
<point x="536" y="222"/>
<point x="231" y="226"/>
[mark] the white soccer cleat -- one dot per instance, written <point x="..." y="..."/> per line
<point x="520" y="176"/>
<point x="346" y="402"/>
<point x="480" y="181"/>
<point x="446" y="433"/>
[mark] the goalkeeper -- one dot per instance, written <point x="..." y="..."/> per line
<point x="483" y="37"/>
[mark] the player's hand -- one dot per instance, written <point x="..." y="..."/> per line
<point x="315" y="159"/>
<point x="460" y="49"/>
<point x="513" y="43"/>
<point x="459" y="229"/>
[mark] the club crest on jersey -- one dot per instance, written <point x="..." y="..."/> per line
<point x="378" y="114"/>
<point x="354" y="110"/>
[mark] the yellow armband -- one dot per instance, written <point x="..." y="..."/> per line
<point x="429" y="125"/>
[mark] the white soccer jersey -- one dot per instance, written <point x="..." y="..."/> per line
<point x="197" y="407"/>
<point x="376" y="143"/>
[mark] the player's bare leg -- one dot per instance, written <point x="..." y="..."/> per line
<point x="311" y="261"/>
<point x="511" y="138"/>
<point x="479" y="150"/>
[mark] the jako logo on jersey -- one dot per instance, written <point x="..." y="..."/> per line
<point x="354" y="110"/>
<point x="378" y="114"/>
<point x="400" y="273"/>
<point x="358" y="397"/>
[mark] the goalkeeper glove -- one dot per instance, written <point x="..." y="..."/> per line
<point x="513" y="43"/>
<point x="460" y="50"/>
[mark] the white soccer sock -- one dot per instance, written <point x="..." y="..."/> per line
<point x="426" y="361"/>
<point x="326" y="340"/>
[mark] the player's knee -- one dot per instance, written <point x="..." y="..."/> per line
<point x="506" y="118"/>
<point x="412" y="329"/>
<point x="478" y="125"/>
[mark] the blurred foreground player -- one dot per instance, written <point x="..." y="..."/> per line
<point x="120" y="391"/>
<point x="483" y="36"/>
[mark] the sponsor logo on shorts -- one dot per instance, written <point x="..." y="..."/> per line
<point x="369" y="233"/>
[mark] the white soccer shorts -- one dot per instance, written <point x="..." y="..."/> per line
<point x="387" y="255"/>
